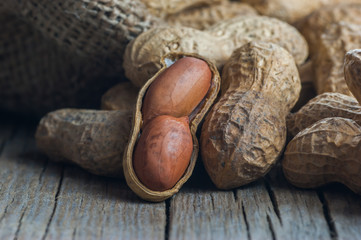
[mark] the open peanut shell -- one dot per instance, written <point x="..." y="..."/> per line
<point x="195" y="119"/>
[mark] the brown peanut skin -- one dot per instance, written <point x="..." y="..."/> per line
<point x="178" y="90"/>
<point x="194" y="121"/>
<point x="245" y="131"/>
<point x="328" y="151"/>
<point x="163" y="152"/>
<point x="352" y="70"/>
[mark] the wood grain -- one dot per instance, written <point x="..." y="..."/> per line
<point x="343" y="208"/>
<point x="45" y="200"/>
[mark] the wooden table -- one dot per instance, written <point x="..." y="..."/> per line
<point x="40" y="199"/>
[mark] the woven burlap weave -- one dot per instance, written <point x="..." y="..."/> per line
<point x="64" y="53"/>
<point x="36" y="75"/>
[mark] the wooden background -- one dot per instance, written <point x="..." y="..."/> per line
<point x="40" y="199"/>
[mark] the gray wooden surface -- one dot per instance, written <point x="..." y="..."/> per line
<point x="45" y="200"/>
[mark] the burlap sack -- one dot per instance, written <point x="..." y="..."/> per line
<point x="64" y="53"/>
<point x="36" y="75"/>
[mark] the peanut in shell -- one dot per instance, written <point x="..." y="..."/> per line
<point x="245" y="132"/>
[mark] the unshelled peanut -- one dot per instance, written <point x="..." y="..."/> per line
<point x="313" y="26"/>
<point x="352" y="69"/>
<point x="95" y="140"/>
<point x="143" y="54"/>
<point x="324" y="106"/>
<point x="164" y="7"/>
<point x="202" y="17"/>
<point x="328" y="151"/>
<point x="291" y="10"/>
<point x="120" y="97"/>
<point x="245" y="131"/>
<point x="329" y="60"/>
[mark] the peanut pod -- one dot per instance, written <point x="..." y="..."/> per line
<point x="291" y="10"/>
<point x="120" y="97"/>
<point x="245" y="131"/>
<point x="203" y="17"/>
<point x="143" y="54"/>
<point x="329" y="60"/>
<point x="324" y="106"/>
<point x="94" y="140"/>
<point x="165" y="7"/>
<point x="138" y="128"/>
<point x="352" y="70"/>
<point x="314" y="25"/>
<point x="328" y="151"/>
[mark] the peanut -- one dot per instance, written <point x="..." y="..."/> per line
<point x="165" y="7"/>
<point x="328" y="151"/>
<point x="178" y="90"/>
<point x="142" y="55"/>
<point x="352" y="69"/>
<point x="286" y="10"/>
<point x="245" y="131"/>
<point x="120" y="97"/>
<point x="328" y="62"/>
<point x="163" y="148"/>
<point x="324" y="106"/>
<point x="163" y="152"/>
<point x="94" y="140"/>
<point x="314" y="25"/>
<point x="291" y="11"/>
<point x="203" y="17"/>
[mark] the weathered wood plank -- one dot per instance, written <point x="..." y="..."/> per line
<point x="206" y="214"/>
<point x="45" y="200"/>
<point x="258" y="211"/>
<point x="344" y="210"/>
<point x="199" y="211"/>
<point x="267" y="209"/>
<point x="300" y="211"/>
<point x="91" y="207"/>
<point x="21" y="200"/>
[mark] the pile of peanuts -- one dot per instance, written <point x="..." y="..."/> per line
<point x="239" y="78"/>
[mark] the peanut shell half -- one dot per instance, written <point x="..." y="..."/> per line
<point x="195" y="119"/>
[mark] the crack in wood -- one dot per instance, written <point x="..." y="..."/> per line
<point x="6" y="209"/>
<point x="55" y="204"/>
<point x="45" y="165"/>
<point x="20" y="223"/>
<point x="73" y="234"/>
<point x="167" y="219"/>
<point x="327" y="214"/>
<point x="235" y="195"/>
<point x="246" y="222"/>
<point x="271" y="227"/>
<point x="212" y="201"/>
<point x="273" y="199"/>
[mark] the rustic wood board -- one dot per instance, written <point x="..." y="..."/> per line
<point x="45" y="200"/>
